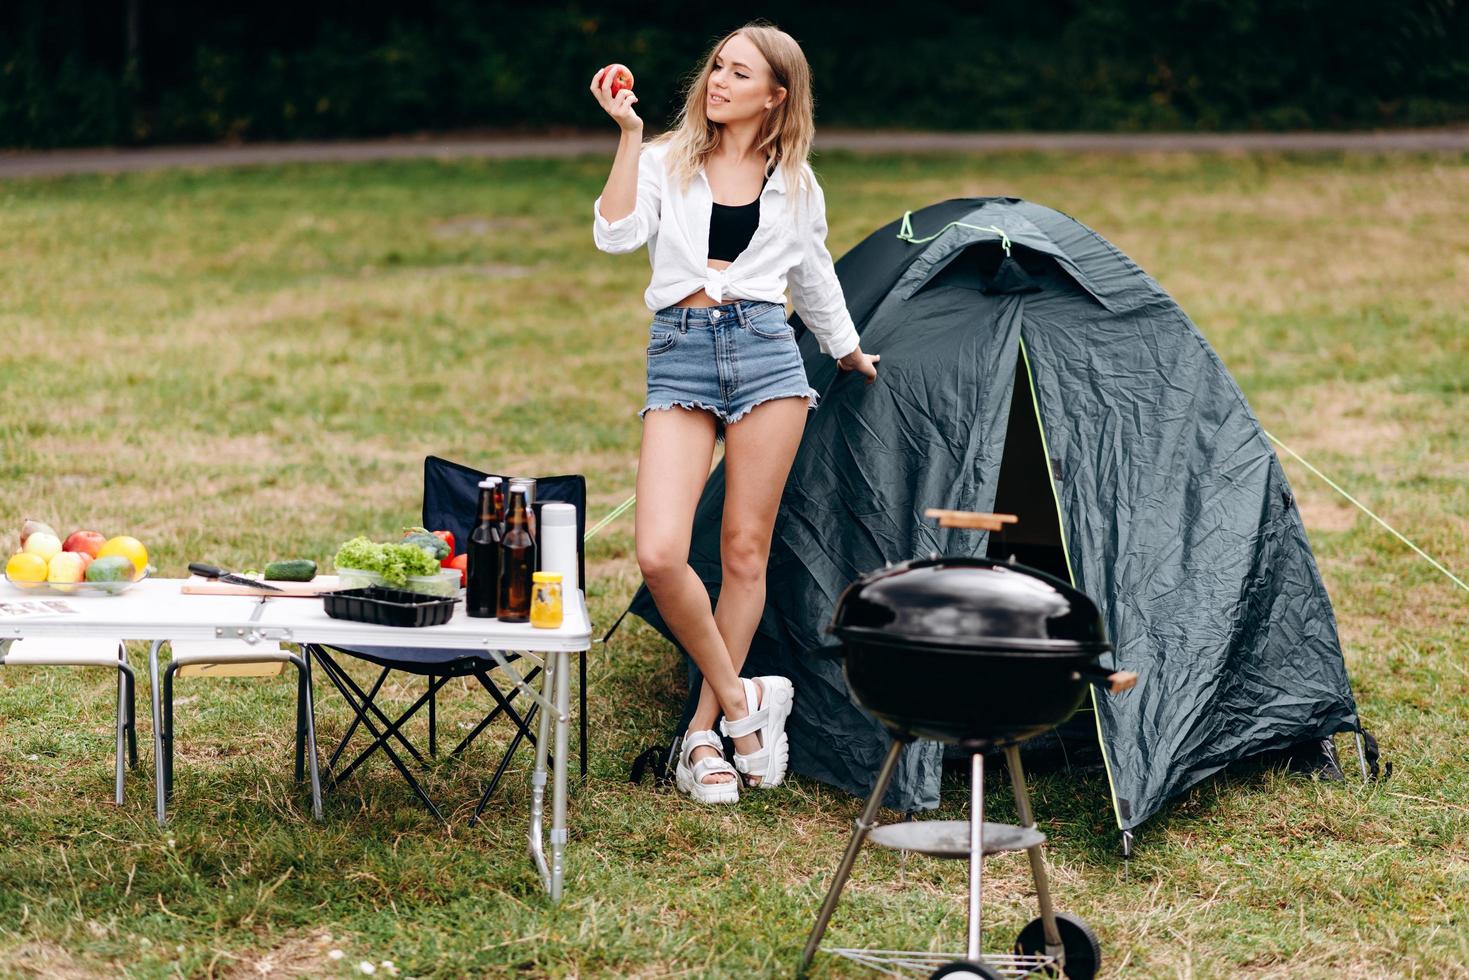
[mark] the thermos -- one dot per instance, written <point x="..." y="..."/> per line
<point x="557" y="544"/>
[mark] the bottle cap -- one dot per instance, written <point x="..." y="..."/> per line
<point x="546" y="577"/>
<point x="489" y="482"/>
<point x="558" y="515"/>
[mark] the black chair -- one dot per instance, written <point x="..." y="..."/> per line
<point x="451" y="503"/>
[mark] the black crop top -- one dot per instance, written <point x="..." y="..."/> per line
<point x="731" y="227"/>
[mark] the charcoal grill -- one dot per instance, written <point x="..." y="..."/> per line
<point x="984" y="655"/>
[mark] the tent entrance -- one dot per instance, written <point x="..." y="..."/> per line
<point x="1024" y="489"/>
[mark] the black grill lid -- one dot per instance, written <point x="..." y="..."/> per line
<point x="970" y="602"/>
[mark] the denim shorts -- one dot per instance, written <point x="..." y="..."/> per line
<point x="724" y="359"/>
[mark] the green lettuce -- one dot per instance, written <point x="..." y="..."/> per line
<point x="394" y="562"/>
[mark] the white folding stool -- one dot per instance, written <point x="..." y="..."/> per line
<point x="75" y="652"/>
<point x="227" y="654"/>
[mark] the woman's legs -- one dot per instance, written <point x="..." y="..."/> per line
<point x="673" y="465"/>
<point x="758" y="452"/>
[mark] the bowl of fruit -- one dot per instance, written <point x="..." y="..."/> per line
<point x="85" y="563"/>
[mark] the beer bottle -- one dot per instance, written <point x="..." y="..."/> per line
<point x="517" y="561"/>
<point x="482" y="597"/>
<point x="502" y="511"/>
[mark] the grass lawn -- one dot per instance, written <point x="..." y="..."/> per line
<point x="240" y="365"/>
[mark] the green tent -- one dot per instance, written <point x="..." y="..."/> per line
<point x="1030" y="367"/>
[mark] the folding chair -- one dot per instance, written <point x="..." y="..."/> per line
<point x="451" y="503"/>
<point x="64" y="652"/>
<point x="229" y="658"/>
<point x="439" y="667"/>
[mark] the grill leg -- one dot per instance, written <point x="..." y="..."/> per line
<point x="976" y="852"/>
<point x="844" y="870"/>
<point x="1054" y="946"/>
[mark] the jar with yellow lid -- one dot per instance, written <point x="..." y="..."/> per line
<point x="545" y="600"/>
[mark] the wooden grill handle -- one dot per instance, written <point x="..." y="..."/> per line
<point x="971" y="519"/>
<point x="1122" y="680"/>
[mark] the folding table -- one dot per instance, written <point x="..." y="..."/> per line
<point x="156" y="609"/>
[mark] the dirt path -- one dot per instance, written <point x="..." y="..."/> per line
<point x="56" y="162"/>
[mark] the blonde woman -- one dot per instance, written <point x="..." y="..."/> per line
<point x="731" y="214"/>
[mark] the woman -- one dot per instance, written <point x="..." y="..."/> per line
<point x="731" y="212"/>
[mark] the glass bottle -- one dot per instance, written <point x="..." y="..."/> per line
<point x="482" y="596"/>
<point x="532" y="510"/>
<point x="517" y="561"/>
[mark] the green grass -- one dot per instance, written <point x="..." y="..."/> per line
<point x="240" y="365"/>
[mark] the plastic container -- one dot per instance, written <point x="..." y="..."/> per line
<point x="545" y="600"/>
<point x="388" y="607"/>
<point x="356" y="578"/>
<point x="444" y="582"/>
<point x="558" y="543"/>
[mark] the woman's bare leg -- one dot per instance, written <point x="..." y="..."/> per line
<point x="673" y="465"/>
<point x="758" y="452"/>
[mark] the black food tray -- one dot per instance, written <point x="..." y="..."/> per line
<point x="388" y="607"/>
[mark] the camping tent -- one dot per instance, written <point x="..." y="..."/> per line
<point x="1030" y="367"/>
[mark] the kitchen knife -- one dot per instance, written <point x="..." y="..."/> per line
<point x="210" y="571"/>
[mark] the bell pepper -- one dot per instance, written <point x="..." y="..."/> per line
<point x="448" y="538"/>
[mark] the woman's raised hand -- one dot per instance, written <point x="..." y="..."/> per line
<point x="619" y="106"/>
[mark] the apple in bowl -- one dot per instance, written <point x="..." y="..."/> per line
<point x="85" y="542"/>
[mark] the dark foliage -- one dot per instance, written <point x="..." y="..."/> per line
<point x="73" y="72"/>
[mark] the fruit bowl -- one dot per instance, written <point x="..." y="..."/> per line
<point x="78" y="588"/>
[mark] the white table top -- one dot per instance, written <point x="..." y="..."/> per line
<point x="156" y="609"/>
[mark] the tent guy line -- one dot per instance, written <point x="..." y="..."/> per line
<point x="623" y="507"/>
<point x="1331" y="483"/>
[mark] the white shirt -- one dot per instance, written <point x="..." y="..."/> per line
<point x="789" y="247"/>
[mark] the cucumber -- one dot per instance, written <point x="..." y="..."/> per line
<point x="293" y="570"/>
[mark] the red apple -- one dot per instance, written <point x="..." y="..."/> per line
<point x="621" y="78"/>
<point x="87" y="542"/>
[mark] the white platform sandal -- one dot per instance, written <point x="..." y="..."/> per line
<point x="767" y="718"/>
<point x="689" y="777"/>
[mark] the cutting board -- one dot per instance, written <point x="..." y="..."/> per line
<point x="194" y="585"/>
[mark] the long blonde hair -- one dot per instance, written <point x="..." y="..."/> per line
<point x="784" y="137"/>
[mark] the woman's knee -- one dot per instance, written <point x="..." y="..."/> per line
<point x="661" y="562"/>
<point x="744" y="555"/>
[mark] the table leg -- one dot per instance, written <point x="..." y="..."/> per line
<point x="538" y="781"/>
<point x="558" y="774"/>
<point x="159" y="811"/>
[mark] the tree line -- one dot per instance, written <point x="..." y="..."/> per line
<point x="77" y="72"/>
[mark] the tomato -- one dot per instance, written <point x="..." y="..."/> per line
<point x="621" y="78"/>
<point x="460" y="562"/>
<point x="448" y="538"/>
